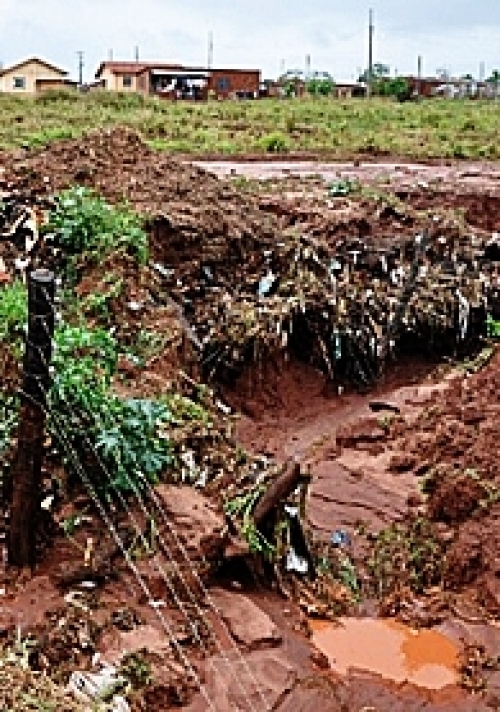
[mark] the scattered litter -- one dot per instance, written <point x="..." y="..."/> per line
<point x="99" y="687"/>
<point x="340" y="538"/>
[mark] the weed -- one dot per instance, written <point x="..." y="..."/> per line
<point x="98" y="303"/>
<point x="274" y="143"/>
<point x="87" y="228"/>
<point x="136" y="668"/>
<point x="125" y="434"/>
<point x="13" y="314"/>
<point x="242" y="507"/>
<point x="406" y="554"/>
<point x="493" y="327"/>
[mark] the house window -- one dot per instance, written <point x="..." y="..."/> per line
<point x="127" y="81"/>
<point x="223" y="84"/>
<point x="19" y="82"/>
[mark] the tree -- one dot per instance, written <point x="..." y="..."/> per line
<point x="320" y="84"/>
<point x="494" y="78"/>
<point x="397" y="87"/>
<point x="379" y="71"/>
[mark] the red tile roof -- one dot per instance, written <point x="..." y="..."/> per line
<point x="133" y="67"/>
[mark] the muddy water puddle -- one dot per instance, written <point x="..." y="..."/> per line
<point x="425" y="658"/>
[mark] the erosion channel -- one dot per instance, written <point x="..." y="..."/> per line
<point x="323" y="336"/>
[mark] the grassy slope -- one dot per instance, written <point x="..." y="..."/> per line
<point x="434" y="128"/>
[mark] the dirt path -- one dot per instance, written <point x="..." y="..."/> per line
<point x="459" y="175"/>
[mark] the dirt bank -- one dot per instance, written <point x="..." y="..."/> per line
<point x="401" y="450"/>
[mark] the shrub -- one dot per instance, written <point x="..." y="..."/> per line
<point x="13" y="313"/>
<point x="98" y="431"/>
<point x="274" y="143"/>
<point x="85" y="225"/>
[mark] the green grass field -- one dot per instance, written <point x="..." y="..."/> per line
<point x="337" y="129"/>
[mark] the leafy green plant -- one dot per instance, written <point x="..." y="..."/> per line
<point x="124" y="434"/>
<point x="274" y="143"/>
<point x="98" y="303"/>
<point x="242" y="508"/>
<point x="13" y="314"/>
<point x="136" y="668"/>
<point x="492" y="327"/>
<point x="406" y="555"/>
<point x="85" y="225"/>
<point x="342" y="187"/>
<point x="320" y="86"/>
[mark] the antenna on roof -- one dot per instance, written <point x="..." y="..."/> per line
<point x="110" y="55"/>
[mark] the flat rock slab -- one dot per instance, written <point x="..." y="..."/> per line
<point x="197" y="523"/>
<point x="247" y="623"/>
<point x="114" y="646"/>
<point x="258" y="682"/>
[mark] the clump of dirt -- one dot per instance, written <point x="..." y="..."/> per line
<point x="452" y="442"/>
<point x="455" y="498"/>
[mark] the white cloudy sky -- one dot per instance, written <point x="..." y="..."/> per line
<point x="454" y="34"/>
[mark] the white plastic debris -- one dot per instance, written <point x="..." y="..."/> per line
<point x="296" y="563"/>
<point x="95" y="687"/>
<point x="266" y="283"/>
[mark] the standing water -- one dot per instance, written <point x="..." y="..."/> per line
<point x="425" y="658"/>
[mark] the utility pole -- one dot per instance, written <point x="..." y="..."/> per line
<point x="210" y="50"/>
<point x="80" y="67"/>
<point x="110" y="55"/>
<point x="370" y="54"/>
<point x="137" y="54"/>
<point x="26" y="469"/>
<point x="419" y="74"/>
<point x="308" y="66"/>
<point x="482" y="71"/>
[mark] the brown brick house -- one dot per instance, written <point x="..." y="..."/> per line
<point x="175" y="81"/>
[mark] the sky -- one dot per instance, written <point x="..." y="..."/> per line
<point x="455" y="35"/>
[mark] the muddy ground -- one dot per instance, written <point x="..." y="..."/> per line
<point x="415" y="457"/>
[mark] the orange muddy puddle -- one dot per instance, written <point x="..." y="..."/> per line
<point x="425" y="658"/>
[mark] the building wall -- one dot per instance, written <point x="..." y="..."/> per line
<point x="227" y="82"/>
<point x="119" y="82"/>
<point x="29" y="72"/>
<point x="51" y="84"/>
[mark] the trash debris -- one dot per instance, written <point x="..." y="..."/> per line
<point x="340" y="538"/>
<point x="99" y="687"/>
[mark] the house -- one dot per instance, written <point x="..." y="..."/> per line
<point x="32" y="76"/>
<point x="175" y="81"/>
<point x="348" y="89"/>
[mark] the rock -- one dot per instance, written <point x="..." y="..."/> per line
<point x="402" y="462"/>
<point x="320" y="660"/>
<point x="248" y="624"/>
<point x="317" y="693"/>
<point x="490" y="594"/>
<point x="116" y="644"/>
<point x="200" y="527"/>
<point x="367" y="430"/>
<point x="260" y="683"/>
